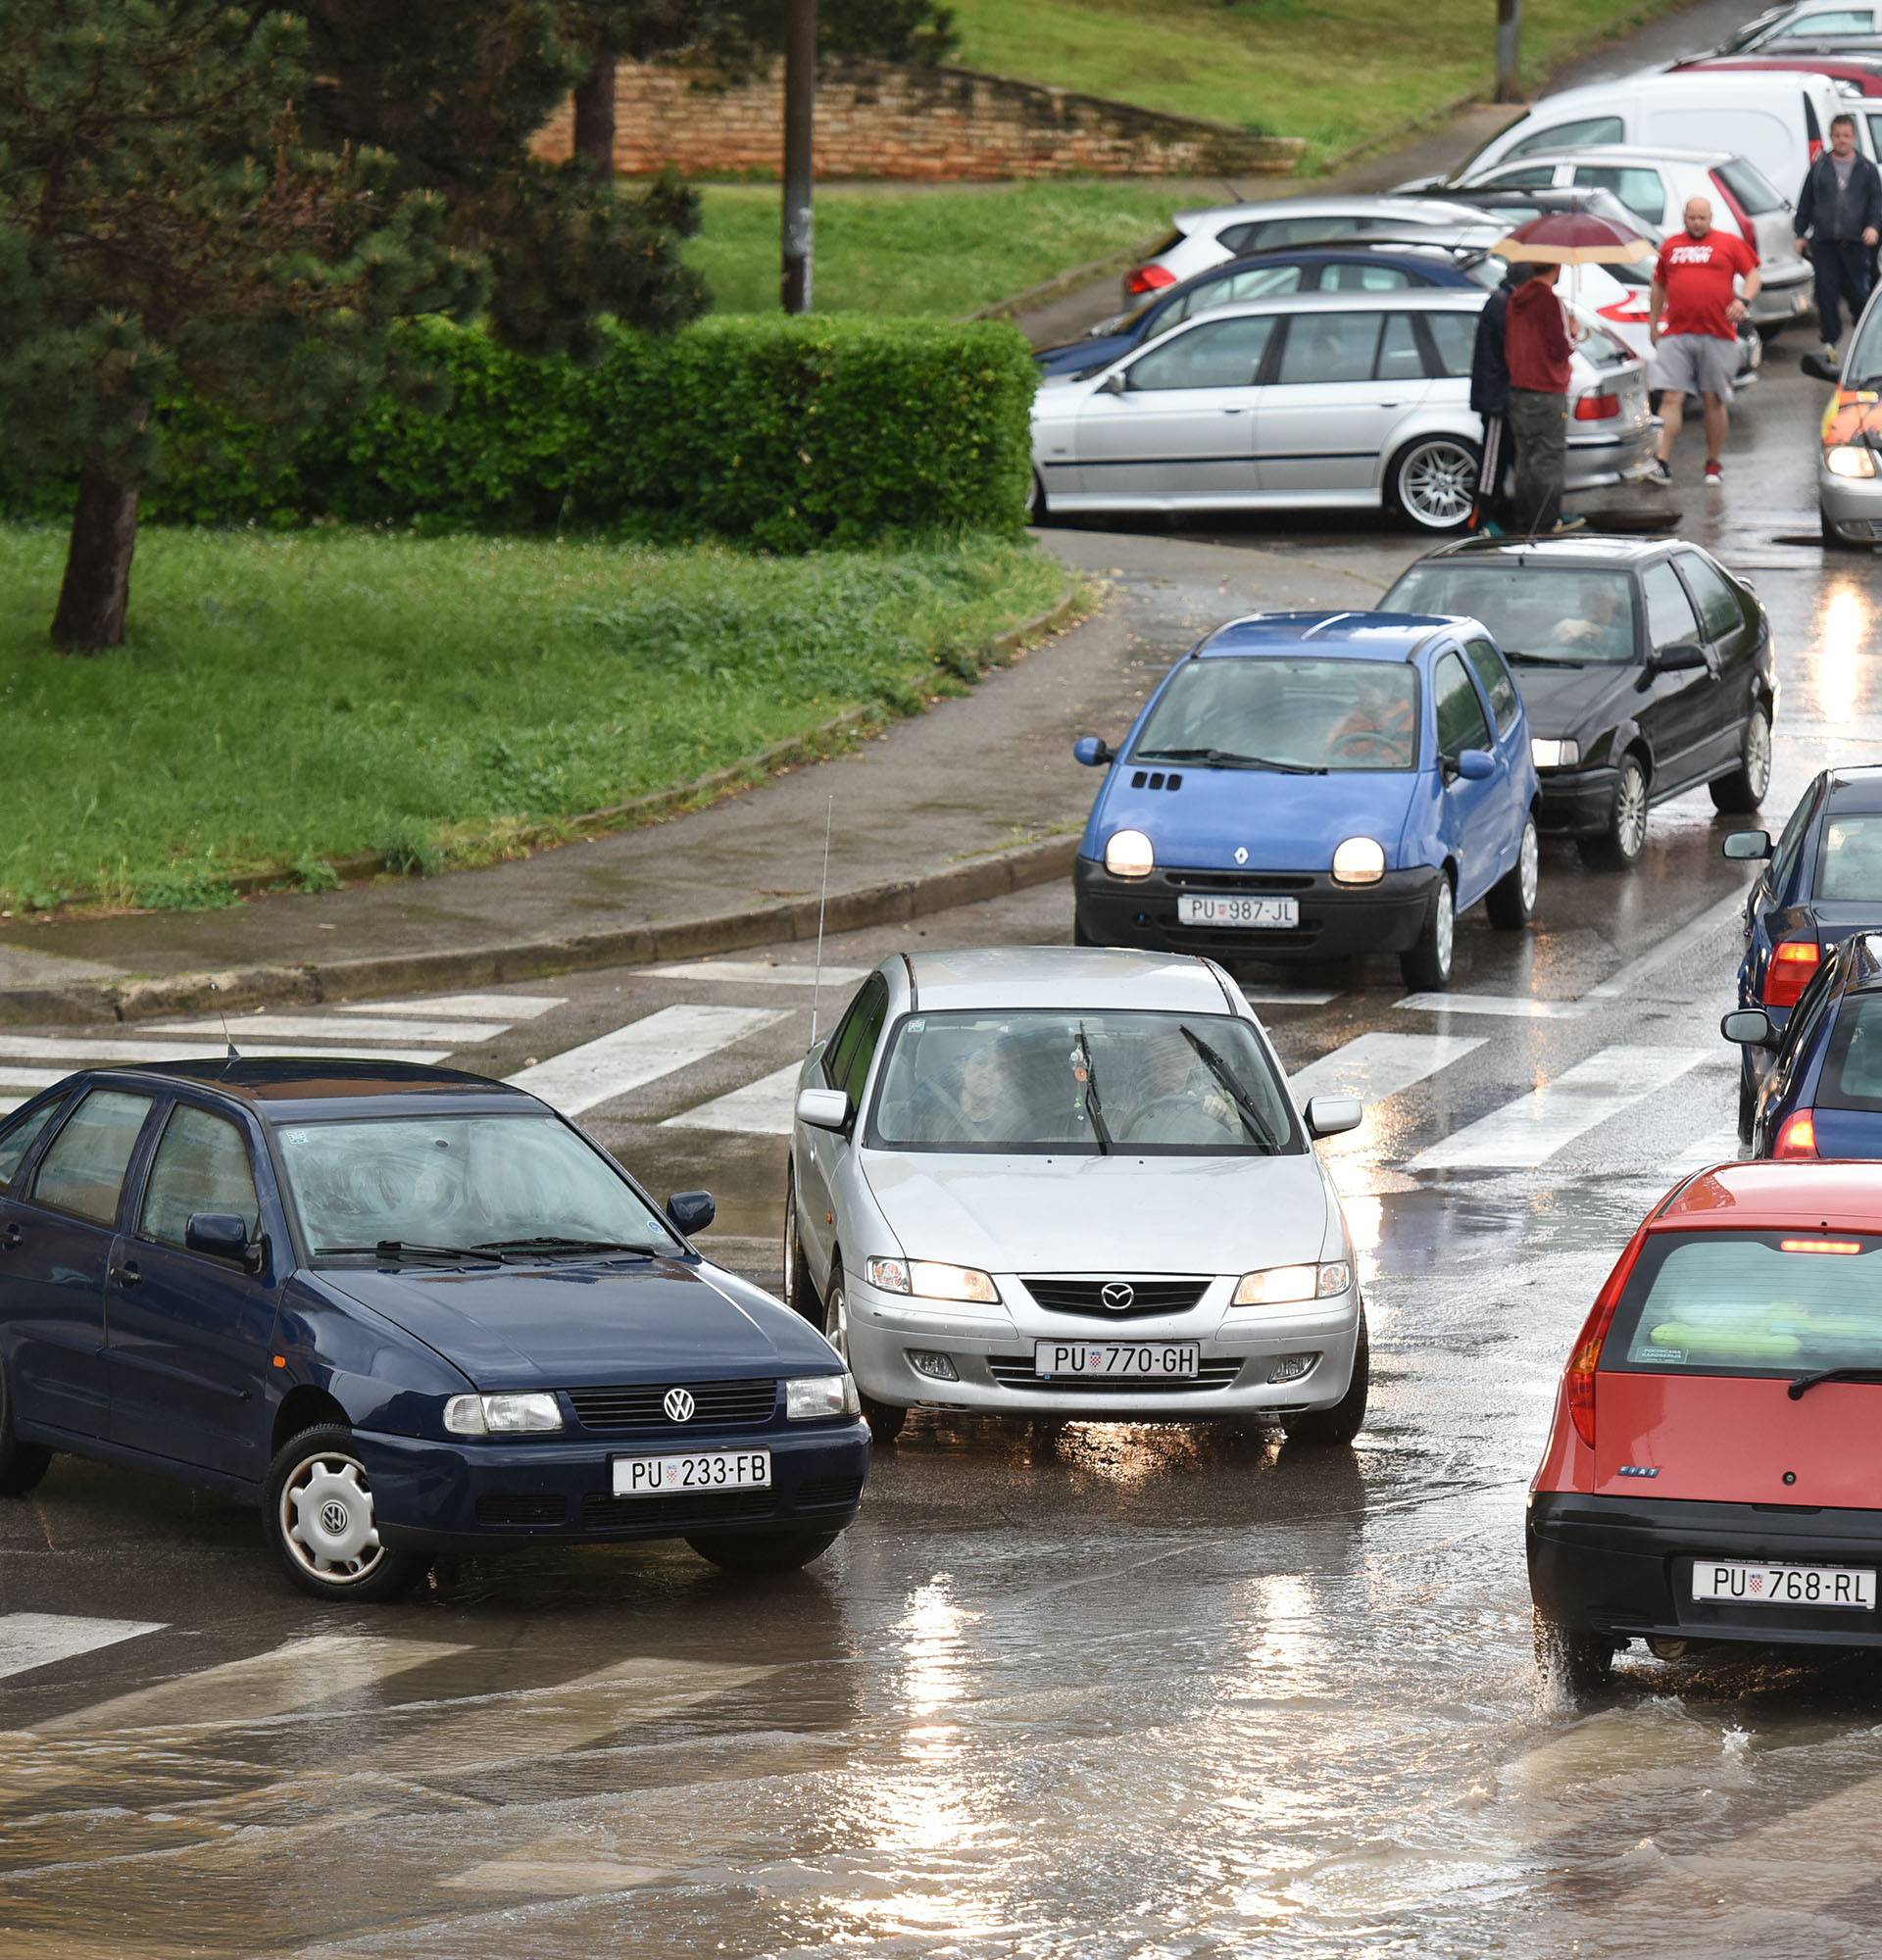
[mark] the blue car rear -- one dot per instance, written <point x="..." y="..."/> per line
<point x="1821" y="1093"/>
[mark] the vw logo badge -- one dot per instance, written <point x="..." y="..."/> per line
<point x="333" y="1518"/>
<point x="1241" y="854"/>
<point x="1119" y="1294"/>
<point x="678" y="1405"/>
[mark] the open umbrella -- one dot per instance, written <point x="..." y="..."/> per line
<point x="1574" y="238"/>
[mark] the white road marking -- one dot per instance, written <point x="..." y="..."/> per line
<point x="37" y="1640"/>
<point x="78" y="1050"/>
<point x="1670" y="947"/>
<point x="1513" y="1007"/>
<point x="31" y="1078"/>
<point x="642" y="1052"/>
<point x="1287" y="997"/>
<point x="9" y="1104"/>
<point x="1534" y="1127"/>
<point x="761" y="973"/>
<point x="761" y="1108"/>
<point x="1720" y="1147"/>
<point x="331" y="1027"/>
<point x="466" y="1006"/>
<point x="1373" y="1066"/>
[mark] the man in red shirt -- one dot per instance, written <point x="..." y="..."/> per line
<point x="1535" y="342"/>
<point x="1694" y="310"/>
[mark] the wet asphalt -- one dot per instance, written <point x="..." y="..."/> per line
<point x="1101" y="1691"/>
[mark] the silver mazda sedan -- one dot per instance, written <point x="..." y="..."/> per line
<point x="1071" y="1182"/>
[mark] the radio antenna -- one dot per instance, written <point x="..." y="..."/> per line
<point x="233" y="1053"/>
<point x="823" y="899"/>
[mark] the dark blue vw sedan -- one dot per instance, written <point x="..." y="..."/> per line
<point x="399" y="1308"/>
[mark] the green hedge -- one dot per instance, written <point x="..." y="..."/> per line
<point x="785" y="434"/>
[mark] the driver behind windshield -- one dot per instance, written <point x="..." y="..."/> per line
<point x="1604" y="626"/>
<point x="1177" y="1100"/>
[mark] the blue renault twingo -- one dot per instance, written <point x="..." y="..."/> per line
<point x="1312" y="785"/>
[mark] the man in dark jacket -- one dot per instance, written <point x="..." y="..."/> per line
<point x="1490" y="399"/>
<point x="1840" y="212"/>
<point x="1536" y="346"/>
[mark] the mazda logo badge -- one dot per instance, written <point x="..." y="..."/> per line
<point x="678" y="1405"/>
<point x="1241" y="854"/>
<point x="1118" y="1296"/>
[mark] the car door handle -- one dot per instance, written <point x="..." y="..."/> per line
<point x="1235" y="412"/>
<point x="9" y="1239"/>
<point x="127" y="1275"/>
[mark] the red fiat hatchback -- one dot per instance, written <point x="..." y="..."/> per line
<point x="1714" y="1472"/>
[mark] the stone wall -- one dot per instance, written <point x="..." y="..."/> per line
<point x="944" y="124"/>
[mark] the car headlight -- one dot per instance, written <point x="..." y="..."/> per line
<point x="1128" y="854"/>
<point x="1554" y="755"/>
<point x="1360" y="860"/>
<point x="1287" y="1286"/>
<point x="932" y="1279"/>
<point x="1852" y="459"/>
<point x="817" y="1398"/>
<point x="502" y="1416"/>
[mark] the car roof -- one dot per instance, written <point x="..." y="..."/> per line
<point x="1857" y="787"/>
<point x="1588" y="547"/>
<point x="1761" y="1196"/>
<point x="1420" y="299"/>
<point x="1343" y="635"/>
<point x="1625" y="152"/>
<point x="1407" y="208"/>
<point x="1063" y="977"/>
<point x="302" y="1088"/>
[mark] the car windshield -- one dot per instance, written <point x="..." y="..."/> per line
<point x="1862" y="362"/>
<point x="1853" y="1069"/>
<point x="1851" y="864"/>
<point x="1065" y="1083"/>
<point x="1288" y="715"/>
<point x="1535" y="613"/>
<point x="1750" y="1304"/>
<point x="464" y="1182"/>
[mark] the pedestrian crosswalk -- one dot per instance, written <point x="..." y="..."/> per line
<point x="32" y="1641"/>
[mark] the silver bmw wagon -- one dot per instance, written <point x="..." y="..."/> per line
<point x="1071" y="1182"/>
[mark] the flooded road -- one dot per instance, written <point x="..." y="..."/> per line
<point x="1094" y="1691"/>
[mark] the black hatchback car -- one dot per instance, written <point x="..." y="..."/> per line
<point x="398" y="1306"/>
<point x="1646" y="667"/>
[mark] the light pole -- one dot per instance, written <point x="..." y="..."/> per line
<point x="799" y="101"/>
<point x="1508" y="50"/>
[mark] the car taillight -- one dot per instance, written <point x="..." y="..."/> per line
<point x="1584" y="1360"/>
<point x="1796" y="1135"/>
<point x="1152" y="278"/>
<point x="1630" y="311"/>
<point x="1739" y="216"/>
<point x="1597" y="408"/>
<point x="1793" y="967"/>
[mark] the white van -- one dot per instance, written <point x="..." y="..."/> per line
<point x="1777" y="119"/>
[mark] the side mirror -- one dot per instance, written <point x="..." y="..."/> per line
<point x="823" y="1109"/>
<point x="1749" y="1027"/>
<point x="1475" y="766"/>
<point x="1093" y="750"/>
<point x="1113" y="383"/>
<point x="1333" y="1116"/>
<point x="1680" y="659"/>
<point x="1749" y="845"/>
<point x="691" y="1211"/>
<point x="221" y="1235"/>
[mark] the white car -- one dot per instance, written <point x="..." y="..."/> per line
<point x="1071" y="1182"/>
<point x="1803" y="21"/>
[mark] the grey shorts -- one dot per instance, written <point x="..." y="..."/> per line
<point x="1695" y="363"/>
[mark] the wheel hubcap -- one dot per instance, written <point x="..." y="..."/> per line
<point x="836" y="1322"/>
<point x="1630" y="810"/>
<point x="1447" y="924"/>
<point x="327" y="1519"/>
<point x="1758" y="755"/>
<point x="790" y="1243"/>
<point x="1438" y="483"/>
<point x="1529" y="875"/>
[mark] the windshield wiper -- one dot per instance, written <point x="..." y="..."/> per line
<point x="555" y="1241"/>
<point x="1251" y="1115"/>
<point x="1093" y="1103"/>
<point x="1226" y="758"/>
<point x="407" y="1248"/>
<point x="1806" y="1383"/>
<point x="1541" y="660"/>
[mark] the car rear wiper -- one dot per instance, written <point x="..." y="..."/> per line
<point x="1226" y="758"/>
<point x="407" y="1248"/>
<point x="555" y="1241"/>
<point x="1252" y="1119"/>
<point x="1803" y="1384"/>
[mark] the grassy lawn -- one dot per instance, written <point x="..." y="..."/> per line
<point x="944" y="252"/>
<point x="284" y="700"/>
<point x="1338" y="75"/>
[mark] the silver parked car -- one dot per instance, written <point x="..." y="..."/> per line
<point x="1061" y="1181"/>
<point x="1315" y="400"/>
<point x="1849" y="470"/>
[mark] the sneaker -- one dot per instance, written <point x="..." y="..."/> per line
<point x="1829" y="354"/>
<point x="1660" y="474"/>
<point x="1715" y="472"/>
<point x="1571" y="524"/>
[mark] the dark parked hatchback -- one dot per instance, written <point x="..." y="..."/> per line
<point x="1646" y="667"/>
<point x="398" y="1306"/>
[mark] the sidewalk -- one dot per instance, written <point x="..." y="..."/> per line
<point x="976" y="796"/>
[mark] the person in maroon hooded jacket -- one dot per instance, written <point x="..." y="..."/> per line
<point x="1536" y="346"/>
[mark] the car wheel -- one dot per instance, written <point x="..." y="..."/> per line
<point x="1340" y="1424"/>
<point x="1577" y="1663"/>
<point x="800" y="1296"/>
<point x="1740" y="793"/>
<point x="1619" y="847"/>
<point x="21" y="1464"/>
<point x="762" y="1552"/>
<point x="318" y="1509"/>
<point x="1038" y="511"/>
<point x="885" y="1419"/>
<point x="1512" y="902"/>
<point x="1426" y="968"/>
<point x="1080" y="936"/>
<point x="1434" y="482"/>
<point x="1747" y="1103"/>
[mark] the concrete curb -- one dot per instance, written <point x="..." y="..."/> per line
<point x="883" y="904"/>
<point x="1066" y="282"/>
